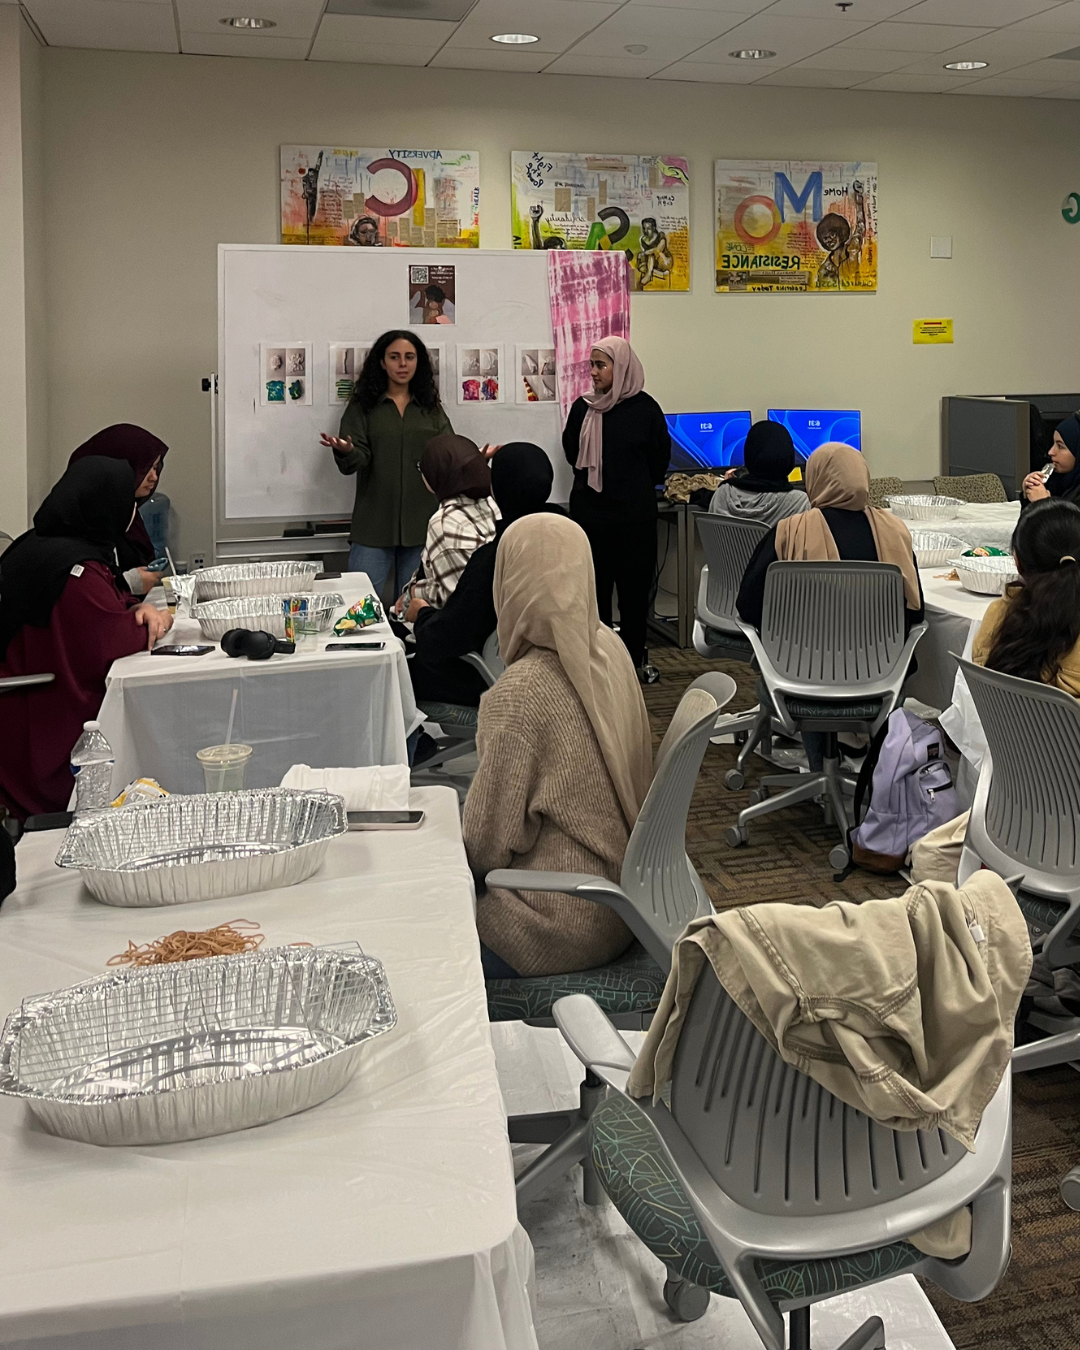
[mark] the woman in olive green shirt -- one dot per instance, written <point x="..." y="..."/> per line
<point x="393" y="413"/>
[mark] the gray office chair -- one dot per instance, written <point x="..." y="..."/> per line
<point x="660" y="893"/>
<point x="758" y="1184"/>
<point x="457" y="720"/>
<point x="881" y="489"/>
<point x="729" y="545"/>
<point x="971" y="487"/>
<point x="833" y="655"/>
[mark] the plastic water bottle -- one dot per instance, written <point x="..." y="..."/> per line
<point x="92" y="763"/>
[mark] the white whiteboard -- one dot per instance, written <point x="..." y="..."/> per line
<point x="276" y="295"/>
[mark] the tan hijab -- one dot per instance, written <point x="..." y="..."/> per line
<point x="837" y="475"/>
<point x="545" y="596"/>
<point x="628" y="380"/>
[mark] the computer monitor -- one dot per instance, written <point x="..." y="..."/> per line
<point x="811" y="427"/>
<point x="708" y="440"/>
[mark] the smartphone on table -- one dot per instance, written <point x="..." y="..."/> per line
<point x="182" y="649"/>
<point x="385" y="820"/>
<point x="354" y="646"/>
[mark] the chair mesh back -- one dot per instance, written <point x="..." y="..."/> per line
<point x="773" y="1139"/>
<point x="728" y="545"/>
<point x="881" y="489"/>
<point x="838" y="623"/>
<point x="1033" y="733"/>
<point x="971" y="487"/>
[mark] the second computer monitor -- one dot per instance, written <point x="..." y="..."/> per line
<point x="813" y="427"/>
<point x="703" y="441"/>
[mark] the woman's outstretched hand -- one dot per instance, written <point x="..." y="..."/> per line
<point x="340" y="445"/>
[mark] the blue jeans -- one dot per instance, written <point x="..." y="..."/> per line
<point x="379" y="563"/>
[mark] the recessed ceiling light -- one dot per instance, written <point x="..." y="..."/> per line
<point x="966" y="65"/>
<point x="250" y="24"/>
<point x="636" y="48"/>
<point x="514" y="39"/>
<point x="752" y="54"/>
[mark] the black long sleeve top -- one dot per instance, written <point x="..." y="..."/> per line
<point x="637" y="450"/>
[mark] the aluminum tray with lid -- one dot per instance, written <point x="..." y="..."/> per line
<point x="925" y="506"/>
<point x="265" y="613"/>
<point x="254" y="578"/>
<point x="932" y="549"/>
<point x="985" y="576"/>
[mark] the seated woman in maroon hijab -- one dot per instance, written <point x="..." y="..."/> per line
<point x="146" y="455"/>
<point x="62" y="612"/>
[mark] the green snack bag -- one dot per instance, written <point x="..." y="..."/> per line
<point x="358" y="616"/>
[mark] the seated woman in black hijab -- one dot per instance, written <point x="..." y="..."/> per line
<point x="1064" y="483"/>
<point x="763" y="493"/>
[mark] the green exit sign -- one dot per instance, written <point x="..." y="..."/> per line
<point x="1070" y="208"/>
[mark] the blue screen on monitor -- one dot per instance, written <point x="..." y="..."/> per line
<point x="711" y="440"/>
<point x="811" y="427"/>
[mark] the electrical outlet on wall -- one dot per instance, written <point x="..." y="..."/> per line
<point x="198" y="560"/>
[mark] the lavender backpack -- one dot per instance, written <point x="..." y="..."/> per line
<point x="910" y="792"/>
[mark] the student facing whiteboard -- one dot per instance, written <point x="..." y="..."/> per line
<point x="393" y="413"/>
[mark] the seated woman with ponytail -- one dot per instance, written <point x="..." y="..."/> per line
<point x="1034" y="630"/>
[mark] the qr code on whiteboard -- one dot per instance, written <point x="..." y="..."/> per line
<point x="419" y="276"/>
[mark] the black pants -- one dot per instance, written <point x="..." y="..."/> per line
<point x="624" y="559"/>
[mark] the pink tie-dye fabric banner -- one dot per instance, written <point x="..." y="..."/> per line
<point x="590" y="300"/>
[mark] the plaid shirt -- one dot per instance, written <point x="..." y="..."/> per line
<point x="456" y="530"/>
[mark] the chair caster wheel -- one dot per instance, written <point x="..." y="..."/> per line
<point x="734" y="780"/>
<point x="758" y="795"/>
<point x="687" y="1301"/>
<point x="1070" y="1188"/>
<point x="736" y="836"/>
<point x="839" y="857"/>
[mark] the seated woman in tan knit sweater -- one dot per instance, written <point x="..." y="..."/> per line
<point x="565" y="756"/>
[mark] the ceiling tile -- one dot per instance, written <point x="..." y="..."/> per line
<point x="913" y="37"/>
<point x="1062" y="91"/>
<point x="983" y="12"/>
<point x="373" y="53"/>
<point x="701" y="72"/>
<point x="790" y="39"/>
<point x="741" y="7"/>
<point x="1065" y="72"/>
<point x="870" y="11"/>
<point x="362" y="28"/>
<point x="557" y="23"/>
<point x="901" y="81"/>
<point x="116" y="25"/>
<point x="472" y="58"/>
<point x="850" y="58"/>
<point x="262" y="46"/>
<point x="803" y="77"/>
<point x="627" y="67"/>
<point x="1003" y="86"/>
<point x="668" y="33"/>
<point x="292" y="18"/>
<point x="1062" y="19"/>
<point x="1000" y="50"/>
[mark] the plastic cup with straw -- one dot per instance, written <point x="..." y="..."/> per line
<point x="224" y="766"/>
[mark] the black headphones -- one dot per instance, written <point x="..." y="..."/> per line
<point x="257" y="646"/>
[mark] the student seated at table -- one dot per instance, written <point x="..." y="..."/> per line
<point x="1064" y="454"/>
<point x="521" y="479"/>
<point x="565" y="756"/>
<point x="840" y="524"/>
<point x="63" y="612"/>
<point x="1033" y="631"/>
<point x="763" y="493"/>
<point x="454" y="470"/>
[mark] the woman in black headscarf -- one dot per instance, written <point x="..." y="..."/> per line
<point x="1064" y="483"/>
<point x="62" y="612"/>
<point x="763" y="493"/>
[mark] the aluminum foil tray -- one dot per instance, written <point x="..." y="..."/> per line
<point x="259" y="578"/>
<point x="923" y="506"/>
<point x="262" y="612"/>
<point x="931" y="550"/>
<point x="158" y="1054"/>
<point x="985" y="576"/>
<point x="204" y="847"/>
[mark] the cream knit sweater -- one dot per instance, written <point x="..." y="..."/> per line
<point x="542" y="798"/>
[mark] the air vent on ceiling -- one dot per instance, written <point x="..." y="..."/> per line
<point x="1073" y="54"/>
<point x="453" y="10"/>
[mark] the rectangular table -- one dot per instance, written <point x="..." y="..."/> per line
<point x="326" y="709"/>
<point x="384" y="1218"/>
<point x="990" y="524"/>
<point x="951" y="613"/>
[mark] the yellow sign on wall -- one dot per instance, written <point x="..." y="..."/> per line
<point x="925" y="331"/>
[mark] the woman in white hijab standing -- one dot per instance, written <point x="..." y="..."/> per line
<point x="618" y="444"/>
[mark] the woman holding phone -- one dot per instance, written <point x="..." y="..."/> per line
<point x="394" y="412"/>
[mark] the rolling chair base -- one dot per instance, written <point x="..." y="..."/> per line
<point x="829" y="783"/>
<point x="567" y="1135"/>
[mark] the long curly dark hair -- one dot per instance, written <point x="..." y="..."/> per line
<point x="372" y="382"/>
<point x="1041" y="624"/>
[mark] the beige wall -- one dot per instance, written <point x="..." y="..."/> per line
<point x="38" y="467"/>
<point x="154" y="160"/>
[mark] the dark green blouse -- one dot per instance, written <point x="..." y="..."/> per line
<point x="393" y="506"/>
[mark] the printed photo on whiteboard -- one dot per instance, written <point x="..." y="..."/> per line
<point x="536" y="374"/>
<point x="435" y="355"/>
<point x="345" y="364"/>
<point x="285" y="370"/>
<point x="480" y="375"/>
<point x="432" y="294"/>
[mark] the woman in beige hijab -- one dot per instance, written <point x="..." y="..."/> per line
<point x="617" y="442"/>
<point x="565" y="756"/>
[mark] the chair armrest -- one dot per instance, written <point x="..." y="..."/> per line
<point x="587" y="1031"/>
<point x="569" y="883"/>
<point x="481" y="667"/>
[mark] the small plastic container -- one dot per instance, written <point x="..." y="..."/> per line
<point x="224" y="767"/>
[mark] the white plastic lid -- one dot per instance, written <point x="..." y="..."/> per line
<point x="91" y="726"/>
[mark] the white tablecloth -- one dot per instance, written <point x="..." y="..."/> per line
<point x="384" y="1218"/>
<point x="952" y="614"/>
<point x="326" y="709"/>
<point x="988" y="523"/>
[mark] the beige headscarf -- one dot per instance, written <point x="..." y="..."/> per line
<point x="628" y="380"/>
<point x="837" y="475"/>
<point x="545" y="596"/>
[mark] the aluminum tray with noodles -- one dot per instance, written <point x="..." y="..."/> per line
<point x="931" y="549"/>
<point x="204" y="847"/>
<point x="256" y="578"/>
<point x="158" y="1054"/>
<point x="985" y="576"/>
<point x="264" y="613"/>
<point x="924" y="506"/>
